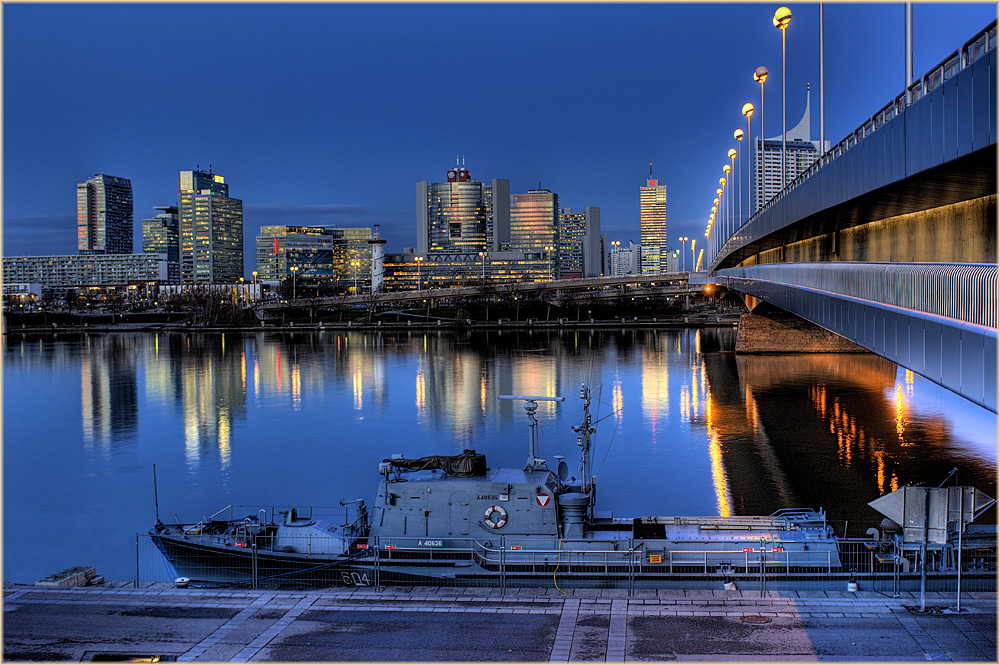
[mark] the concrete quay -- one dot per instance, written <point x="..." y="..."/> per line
<point x="395" y="624"/>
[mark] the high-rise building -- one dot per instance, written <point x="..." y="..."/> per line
<point x="653" y="226"/>
<point x="800" y="153"/>
<point x="160" y="235"/>
<point x="211" y="230"/>
<point x="462" y="215"/>
<point x="317" y="253"/>
<point x="104" y="215"/>
<point x="534" y="219"/>
<point x="579" y="242"/>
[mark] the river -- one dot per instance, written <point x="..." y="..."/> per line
<point x="686" y="427"/>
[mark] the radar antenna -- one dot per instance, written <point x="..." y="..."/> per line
<point x="530" y="404"/>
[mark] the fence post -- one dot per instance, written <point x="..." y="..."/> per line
<point x="503" y="586"/>
<point x="253" y="563"/>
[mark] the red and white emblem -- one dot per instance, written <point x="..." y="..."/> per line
<point x="542" y="499"/>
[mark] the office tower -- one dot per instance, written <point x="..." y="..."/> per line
<point x="104" y="215"/>
<point x="160" y="235"/>
<point x="534" y="219"/>
<point x="317" y="253"/>
<point x="211" y="230"/>
<point x="579" y="242"/>
<point x="800" y="153"/>
<point x="653" y="226"/>
<point x="462" y="215"/>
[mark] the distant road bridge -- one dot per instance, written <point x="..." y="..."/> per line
<point x="563" y="291"/>
<point x="889" y="239"/>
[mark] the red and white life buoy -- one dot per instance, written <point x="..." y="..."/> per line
<point x="496" y="517"/>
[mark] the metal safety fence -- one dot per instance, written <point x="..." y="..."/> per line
<point x="510" y="562"/>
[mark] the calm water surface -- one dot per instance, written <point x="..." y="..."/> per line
<point x="687" y="427"/>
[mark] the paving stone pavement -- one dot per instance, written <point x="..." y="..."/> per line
<point x="419" y="624"/>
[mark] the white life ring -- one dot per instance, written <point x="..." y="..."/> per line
<point x="498" y="522"/>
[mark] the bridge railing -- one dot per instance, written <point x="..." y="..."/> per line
<point x="965" y="292"/>
<point x="974" y="49"/>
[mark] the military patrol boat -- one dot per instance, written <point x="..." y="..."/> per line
<point x="454" y="520"/>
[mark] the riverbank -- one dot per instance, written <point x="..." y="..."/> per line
<point x="118" y="622"/>
<point x="693" y="320"/>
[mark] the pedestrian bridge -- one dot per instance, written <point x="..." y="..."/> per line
<point x="889" y="239"/>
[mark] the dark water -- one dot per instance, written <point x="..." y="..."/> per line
<point x="687" y="427"/>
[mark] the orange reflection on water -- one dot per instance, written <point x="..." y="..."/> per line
<point x="421" y="388"/>
<point x="617" y="399"/>
<point x="720" y="483"/>
<point x="358" y="386"/>
<point x="296" y="386"/>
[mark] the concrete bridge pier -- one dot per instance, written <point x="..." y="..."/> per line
<point x="768" y="330"/>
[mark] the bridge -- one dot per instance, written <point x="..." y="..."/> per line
<point x="560" y="292"/>
<point x="889" y="239"/>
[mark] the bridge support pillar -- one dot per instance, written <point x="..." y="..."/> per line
<point x="780" y="332"/>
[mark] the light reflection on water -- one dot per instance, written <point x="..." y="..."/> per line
<point x="686" y="427"/>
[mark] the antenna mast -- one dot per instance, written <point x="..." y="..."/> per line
<point x="583" y="440"/>
<point x="530" y="404"/>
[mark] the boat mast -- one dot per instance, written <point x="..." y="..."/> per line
<point x="583" y="440"/>
<point x="530" y="404"/>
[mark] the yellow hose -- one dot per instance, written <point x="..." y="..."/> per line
<point x="558" y="563"/>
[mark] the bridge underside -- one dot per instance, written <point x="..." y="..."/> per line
<point x="958" y="355"/>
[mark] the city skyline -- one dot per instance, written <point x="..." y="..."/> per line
<point x="322" y="114"/>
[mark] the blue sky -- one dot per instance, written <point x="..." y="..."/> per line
<point x="330" y="113"/>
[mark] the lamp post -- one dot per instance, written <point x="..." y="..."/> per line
<point x="759" y="75"/>
<point x="729" y="193"/>
<point x="418" y="260"/>
<point x="617" y="267"/>
<point x="254" y="273"/>
<point x="732" y="192"/>
<point x="738" y="135"/>
<point x="748" y="111"/>
<point x="548" y="254"/>
<point x="482" y="255"/>
<point x="243" y="293"/>
<point x="683" y="240"/>
<point x="354" y="264"/>
<point x="693" y="266"/>
<point x="294" y="270"/>
<point x="781" y="19"/>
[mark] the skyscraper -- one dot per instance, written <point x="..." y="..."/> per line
<point x="653" y="226"/>
<point x="104" y="215"/>
<point x="160" y="236"/>
<point x="534" y="219"/>
<point x="462" y="215"/>
<point x="211" y="230"/>
<point x="800" y="153"/>
<point x="579" y="243"/>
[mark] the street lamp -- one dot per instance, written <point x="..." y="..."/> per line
<point x="683" y="239"/>
<point x="732" y="192"/>
<point x="354" y="264"/>
<point x="729" y="192"/>
<point x="548" y="254"/>
<point x="781" y="19"/>
<point x="294" y="270"/>
<point x="760" y="75"/>
<point x="243" y="293"/>
<point x="254" y="273"/>
<point x="693" y="266"/>
<point x="482" y="255"/>
<point x="748" y="111"/>
<point x="418" y="260"/>
<point x="738" y="135"/>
